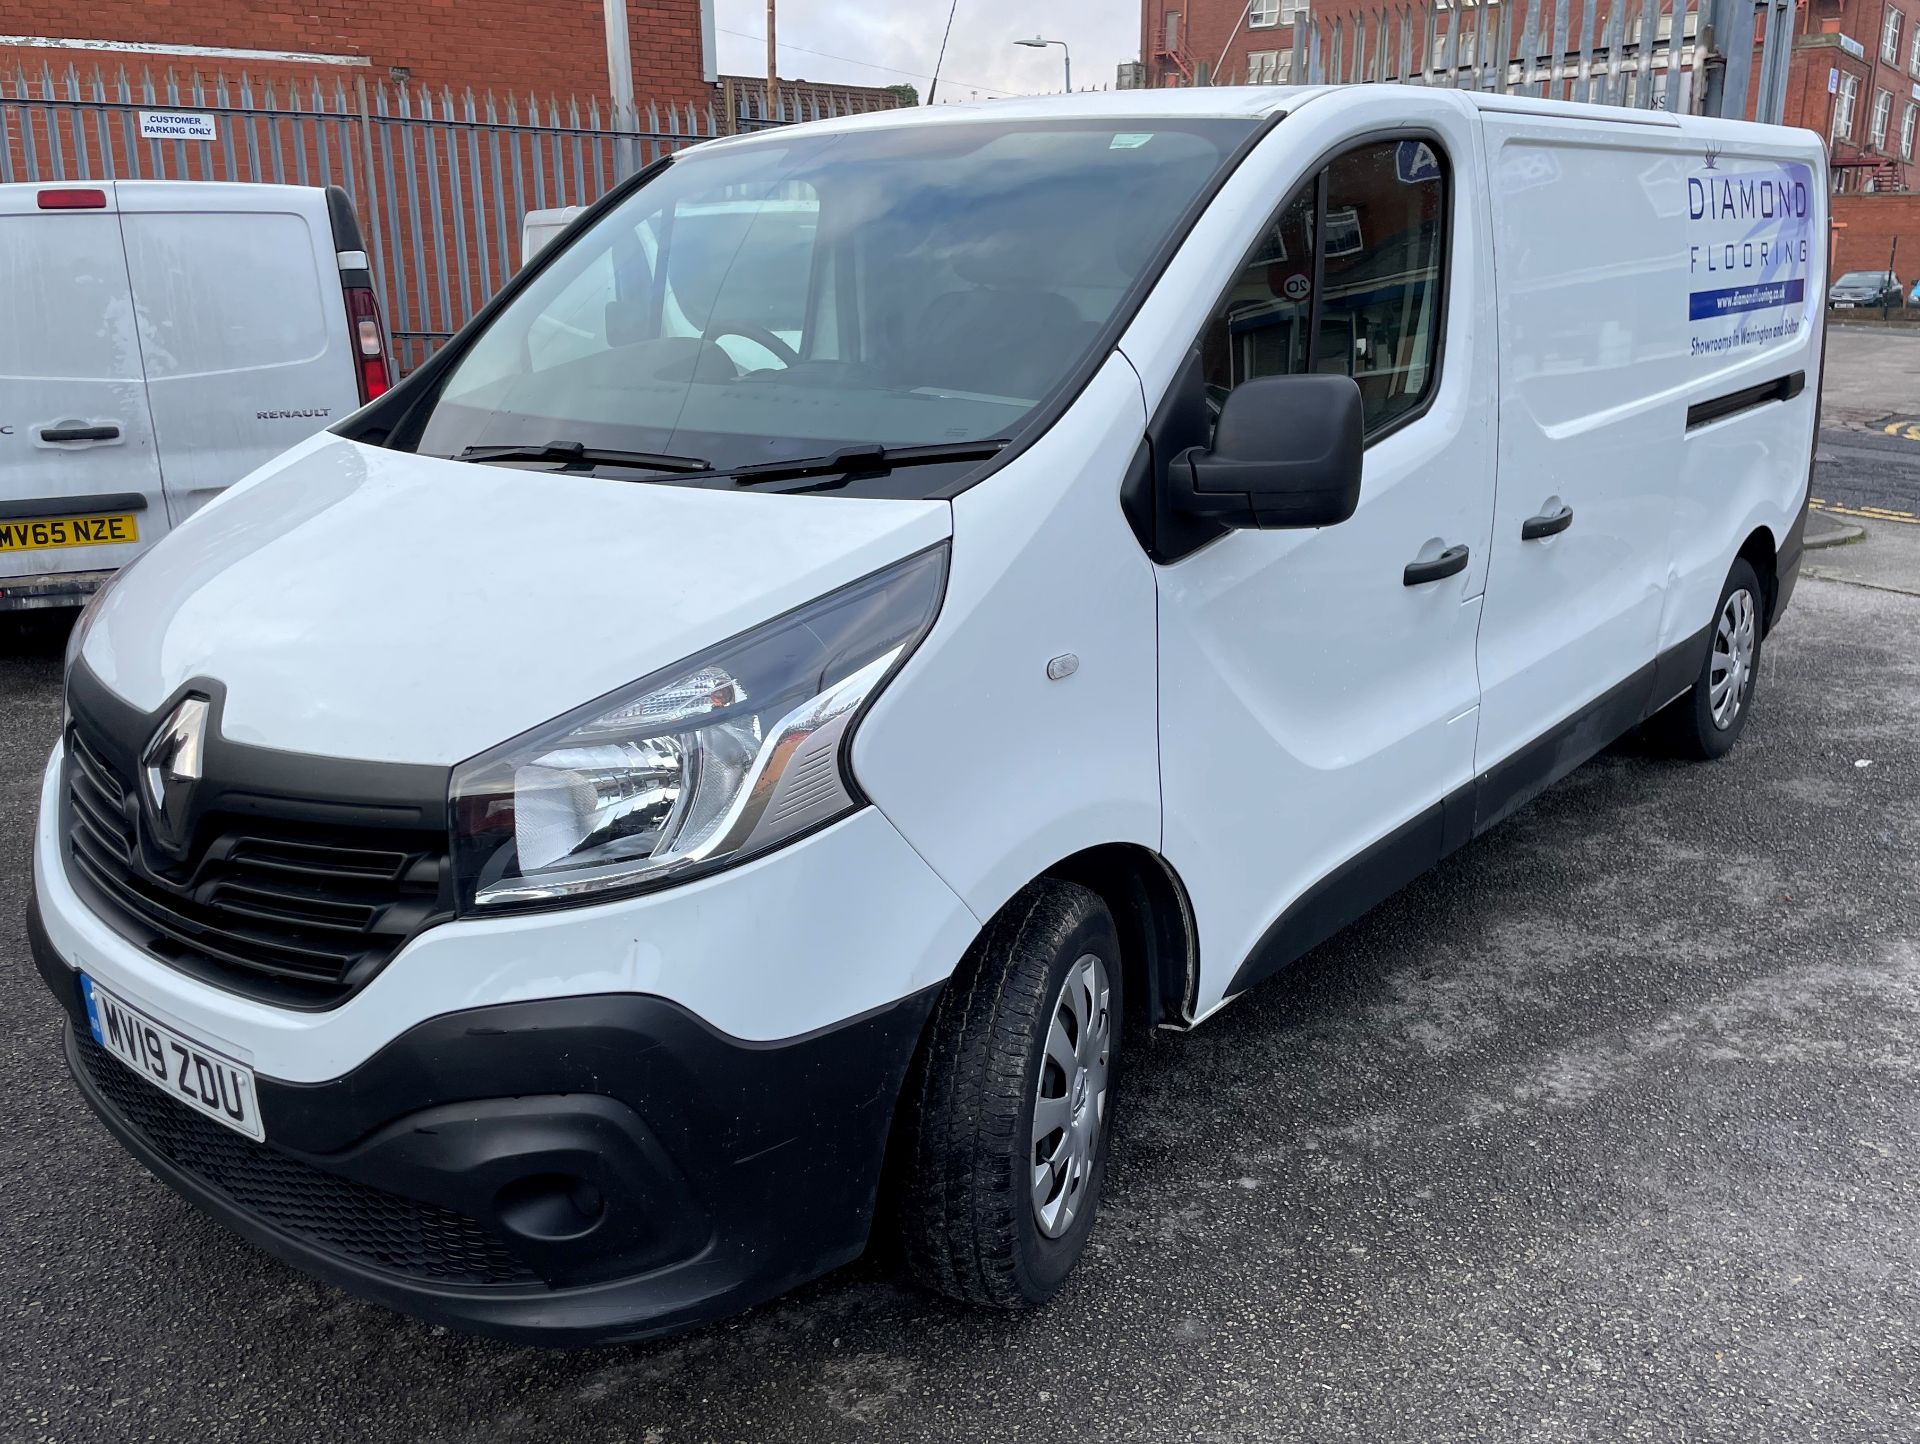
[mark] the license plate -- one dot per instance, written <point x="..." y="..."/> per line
<point x="47" y="533"/>
<point x="203" y="1078"/>
<point x="1843" y="305"/>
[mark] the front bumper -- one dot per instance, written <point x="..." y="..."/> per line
<point x="568" y="1171"/>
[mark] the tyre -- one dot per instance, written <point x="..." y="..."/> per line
<point x="1010" y="1104"/>
<point x="1706" y="720"/>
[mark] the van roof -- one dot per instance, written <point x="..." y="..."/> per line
<point x="1252" y="102"/>
<point x="1248" y="102"/>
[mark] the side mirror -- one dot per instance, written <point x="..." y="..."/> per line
<point x="1287" y="452"/>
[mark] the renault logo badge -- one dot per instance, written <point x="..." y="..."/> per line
<point x="174" y="761"/>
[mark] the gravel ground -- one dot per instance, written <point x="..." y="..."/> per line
<point x="1608" y="1129"/>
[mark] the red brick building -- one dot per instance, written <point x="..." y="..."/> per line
<point x="1250" y="42"/>
<point x="543" y="47"/>
<point x="1222" y="42"/>
<point x="1856" y="80"/>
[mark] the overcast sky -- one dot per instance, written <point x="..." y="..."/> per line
<point x="883" y="42"/>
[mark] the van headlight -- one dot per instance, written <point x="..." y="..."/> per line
<point x="705" y="764"/>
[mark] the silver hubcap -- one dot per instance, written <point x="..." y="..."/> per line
<point x="1070" y="1102"/>
<point x="1730" y="673"/>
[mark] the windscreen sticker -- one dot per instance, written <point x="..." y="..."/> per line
<point x="1749" y="245"/>
<point x="1129" y="142"/>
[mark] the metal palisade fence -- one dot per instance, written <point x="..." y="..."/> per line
<point x="1713" y="57"/>
<point x="441" y="182"/>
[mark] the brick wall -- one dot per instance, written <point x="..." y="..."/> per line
<point x="1210" y="39"/>
<point x="547" y="47"/>
<point x="1871" y="222"/>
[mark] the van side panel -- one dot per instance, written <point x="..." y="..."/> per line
<point x="243" y="326"/>
<point x="992" y="768"/>
<point x="1755" y="219"/>
<point x="1590" y="264"/>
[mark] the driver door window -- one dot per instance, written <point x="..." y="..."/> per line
<point x="1347" y="280"/>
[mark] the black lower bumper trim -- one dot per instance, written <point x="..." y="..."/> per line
<point x="570" y="1171"/>
<point x="56" y="589"/>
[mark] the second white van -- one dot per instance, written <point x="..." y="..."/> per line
<point x="873" y="620"/>
<point x="158" y="341"/>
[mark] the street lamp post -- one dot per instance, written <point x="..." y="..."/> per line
<point x="1066" y="55"/>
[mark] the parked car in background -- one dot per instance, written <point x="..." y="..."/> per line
<point x="567" y="849"/>
<point x="158" y="341"/>
<point x="1865" y="288"/>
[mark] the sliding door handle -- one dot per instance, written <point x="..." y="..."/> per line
<point x="1449" y="563"/>
<point x="1552" y="523"/>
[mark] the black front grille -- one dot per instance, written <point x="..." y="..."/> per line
<point x="383" y="1230"/>
<point x="297" y="912"/>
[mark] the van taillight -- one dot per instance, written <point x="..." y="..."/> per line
<point x="370" y="347"/>
<point x="73" y="200"/>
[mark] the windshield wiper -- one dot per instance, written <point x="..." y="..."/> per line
<point x="575" y="453"/>
<point x="860" y="459"/>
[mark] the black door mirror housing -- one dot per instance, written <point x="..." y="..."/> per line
<point x="1287" y="453"/>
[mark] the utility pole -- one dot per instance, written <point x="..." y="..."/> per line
<point x="620" y="81"/>
<point x="773" y="64"/>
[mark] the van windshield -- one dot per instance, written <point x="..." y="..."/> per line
<point x="913" y="286"/>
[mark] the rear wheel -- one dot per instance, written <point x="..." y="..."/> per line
<point x="1709" y="717"/>
<point x="1011" y="1102"/>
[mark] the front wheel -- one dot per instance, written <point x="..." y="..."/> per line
<point x="1011" y="1103"/>
<point x="1706" y="720"/>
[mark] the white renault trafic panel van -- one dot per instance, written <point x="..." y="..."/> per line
<point x="1149" y="529"/>
<point x="158" y="341"/>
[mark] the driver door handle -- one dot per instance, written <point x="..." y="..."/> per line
<point x="1449" y="563"/>
<point x="1538" y="528"/>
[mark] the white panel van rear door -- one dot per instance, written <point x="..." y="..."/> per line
<point x="80" y="484"/>
<point x="243" y="326"/>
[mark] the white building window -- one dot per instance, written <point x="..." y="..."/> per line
<point x="1284" y="75"/>
<point x="1890" y="36"/>
<point x="1263" y="14"/>
<point x="1292" y="10"/>
<point x="1261" y="65"/>
<point x="1843" y="104"/>
<point x="1882" y="109"/>
<point x="1906" y="130"/>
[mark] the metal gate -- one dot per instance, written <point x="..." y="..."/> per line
<point x="441" y="182"/>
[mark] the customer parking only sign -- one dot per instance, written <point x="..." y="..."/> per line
<point x="1749" y="242"/>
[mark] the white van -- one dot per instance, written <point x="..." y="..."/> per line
<point x="158" y="341"/>
<point x="543" y="852"/>
<point x="538" y="228"/>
